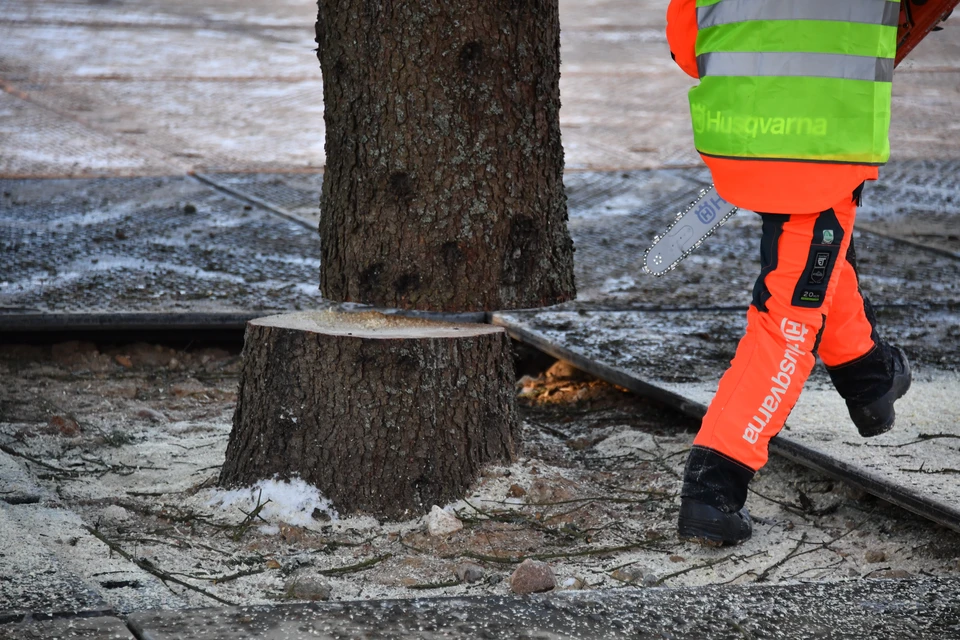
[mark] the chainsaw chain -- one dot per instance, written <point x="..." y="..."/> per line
<point x="710" y="232"/>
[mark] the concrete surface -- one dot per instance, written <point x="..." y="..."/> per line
<point x="144" y="87"/>
<point x="97" y="628"/>
<point x="147" y="90"/>
<point x="34" y="580"/>
<point x="928" y="608"/>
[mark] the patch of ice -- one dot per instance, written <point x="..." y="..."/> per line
<point x="291" y="502"/>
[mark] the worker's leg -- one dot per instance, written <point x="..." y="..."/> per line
<point x="800" y="256"/>
<point x="863" y="367"/>
<point x="849" y="333"/>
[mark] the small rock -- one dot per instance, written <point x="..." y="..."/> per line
<point x="630" y="575"/>
<point x="152" y="415"/>
<point x="124" y="361"/>
<point x="872" y="556"/>
<point x="469" y="572"/>
<point x="898" y="574"/>
<point x="516" y="491"/>
<point x="532" y="577"/>
<point x="650" y="579"/>
<point x="308" y="588"/>
<point x="677" y="559"/>
<point x="442" y="523"/>
<point x="189" y="208"/>
<point x="63" y="425"/>
<point x="494" y="579"/>
<point x="321" y="515"/>
<point x="581" y="443"/>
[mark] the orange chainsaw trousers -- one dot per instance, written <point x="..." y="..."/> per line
<point x="807" y="301"/>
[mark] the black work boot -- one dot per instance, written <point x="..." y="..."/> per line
<point x="878" y="416"/>
<point x="706" y="525"/>
<point x="870" y="385"/>
<point x="712" y="498"/>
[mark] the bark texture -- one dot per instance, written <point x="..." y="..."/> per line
<point x="443" y="188"/>
<point x="385" y="415"/>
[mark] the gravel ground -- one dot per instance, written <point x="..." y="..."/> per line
<point x="120" y="446"/>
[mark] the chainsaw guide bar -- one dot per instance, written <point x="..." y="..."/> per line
<point x="692" y="226"/>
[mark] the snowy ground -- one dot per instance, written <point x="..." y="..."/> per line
<point x="121" y="446"/>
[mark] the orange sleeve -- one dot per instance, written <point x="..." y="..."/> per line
<point x="682" y="34"/>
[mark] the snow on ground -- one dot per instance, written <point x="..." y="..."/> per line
<point x="292" y="502"/>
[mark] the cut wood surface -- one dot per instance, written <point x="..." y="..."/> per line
<point x="384" y="414"/>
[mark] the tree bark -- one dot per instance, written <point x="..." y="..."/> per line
<point x="443" y="188"/>
<point x="384" y="414"/>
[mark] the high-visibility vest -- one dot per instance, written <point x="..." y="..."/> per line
<point x="795" y="79"/>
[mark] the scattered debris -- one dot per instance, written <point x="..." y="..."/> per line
<point x="469" y="572"/>
<point x="442" y="523"/>
<point x="516" y="491"/>
<point x="592" y="513"/>
<point x="573" y="583"/>
<point x="873" y="556"/>
<point x="63" y="426"/>
<point x="308" y="588"/>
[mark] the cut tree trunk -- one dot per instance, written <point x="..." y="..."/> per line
<point x="384" y="414"/>
<point x="443" y="187"/>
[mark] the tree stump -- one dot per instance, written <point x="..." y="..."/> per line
<point x="443" y="187"/>
<point x="385" y="415"/>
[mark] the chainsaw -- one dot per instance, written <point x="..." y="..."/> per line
<point x="709" y="211"/>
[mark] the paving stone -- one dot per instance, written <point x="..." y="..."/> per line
<point x="98" y="628"/>
<point x="51" y="566"/>
<point x="17" y="485"/>
<point x="33" y="580"/>
<point x="861" y="609"/>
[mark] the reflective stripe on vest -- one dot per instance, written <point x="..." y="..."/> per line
<point x="795" y="79"/>
<point x="776" y="63"/>
<point x="867" y="11"/>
